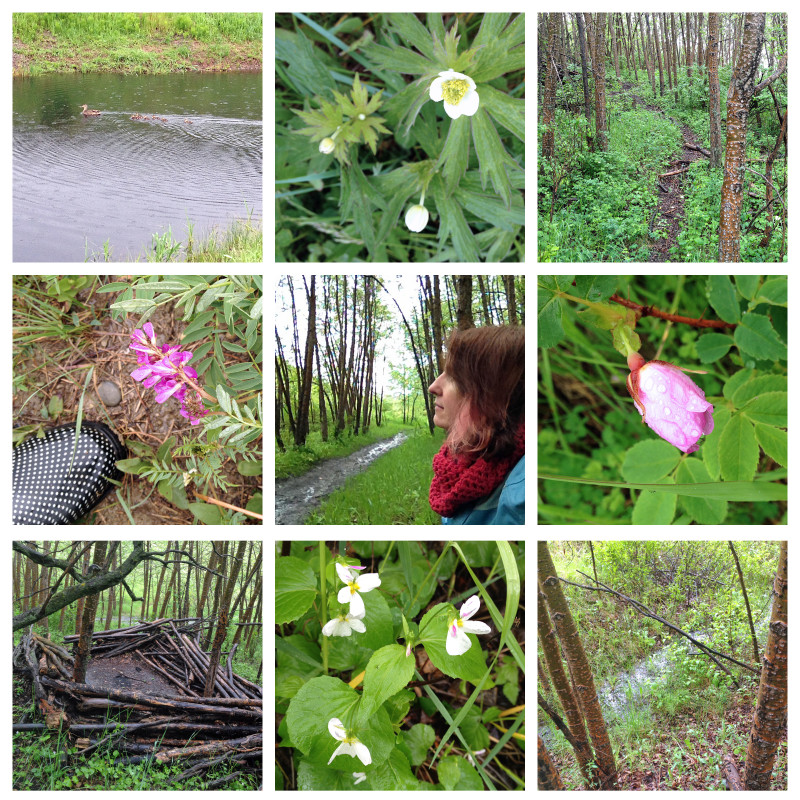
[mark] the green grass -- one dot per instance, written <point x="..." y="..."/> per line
<point x="392" y="491"/>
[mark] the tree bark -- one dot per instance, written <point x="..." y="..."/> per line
<point x="769" y="720"/>
<point x="549" y="779"/>
<point x="464" y="319"/>
<point x="714" y="116"/>
<point x="304" y="406"/>
<point x="87" y="623"/>
<point x="549" y="99"/>
<point x="740" y="94"/>
<point x="579" y="667"/>
<point x="599" y="66"/>
<point x="587" y="98"/>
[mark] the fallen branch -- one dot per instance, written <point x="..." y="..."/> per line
<point x="228" y="505"/>
<point x="675" y="172"/>
<point x="690" y="146"/>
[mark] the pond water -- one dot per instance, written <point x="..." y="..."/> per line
<point x="82" y="181"/>
<point x="296" y="498"/>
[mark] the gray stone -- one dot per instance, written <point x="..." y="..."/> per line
<point x="109" y="393"/>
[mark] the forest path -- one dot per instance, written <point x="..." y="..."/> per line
<point x="296" y="498"/>
<point x="669" y="213"/>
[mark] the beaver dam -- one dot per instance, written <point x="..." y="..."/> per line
<point x="144" y="695"/>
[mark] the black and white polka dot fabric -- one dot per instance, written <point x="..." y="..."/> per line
<point x="46" y="492"/>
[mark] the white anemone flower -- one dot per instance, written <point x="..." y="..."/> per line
<point x="457" y="640"/>
<point x="355" y="583"/>
<point x="344" y="625"/>
<point x="458" y="92"/>
<point x="350" y="745"/>
<point x="327" y="145"/>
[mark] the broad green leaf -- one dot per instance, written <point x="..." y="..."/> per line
<point x="135" y="305"/>
<point x="738" y="451"/>
<point x="713" y="346"/>
<point x="456" y="773"/>
<point x="722" y="296"/>
<point x="595" y="288"/>
<point x="769" y="408"/>
<point x="774" y="291"/>
<point x="295" y="589"/>
<point x="491" y="155"/>
<point x="705" y="510"/>
<point x="419" y="739"/>
<point x="747" y="285"/>
<point x="319" y="777"/>
<point x="472" y="725"/>
<point x="394" y="774"/>
<point x="649" y="461"/>
<point x="388" y="671"/>
<point x="711" y="442"/>
<point x="470" y="666"/>
<point x="550" y="329"/>
<point x="207" y="513"/>
<point x="735" y="381"/>
<point x="455" y="155"/>
<point x="757" y="386"/>
<point x="774" y="442"/>
<point x="505" y="110"/>
<point x="756" y="337"/>
<point x="654" y="508"/>
<point x="250" y="467"/>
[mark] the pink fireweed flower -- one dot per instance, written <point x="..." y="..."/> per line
<point x="670" y="402"/>
<point x="458" y="642"/>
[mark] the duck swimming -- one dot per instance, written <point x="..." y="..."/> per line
<point x="188" y="122"/>
<point x="90" y="112"/>
<point x="136" y="116"/>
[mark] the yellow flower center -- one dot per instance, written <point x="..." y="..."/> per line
<point x="353" y="587"/>
<point x="454" y="90"/>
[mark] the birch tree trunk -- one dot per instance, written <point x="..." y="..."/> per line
<point x="578" y="666"/>
<point x="715" y="123"/>
<point x="769" y="720"/>
<point x="740" y="94"/>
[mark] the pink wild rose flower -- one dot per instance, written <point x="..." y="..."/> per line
<point x="670" y="402"/>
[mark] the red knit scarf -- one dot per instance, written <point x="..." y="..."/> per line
<point x="460" y="481"/>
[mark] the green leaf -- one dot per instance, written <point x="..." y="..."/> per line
<point x="492" y="210"/>
<point x="774" y="442"/>
<point x="649" y="461"/>
<point x="420" y="739"/>
<point x="735" y="381"/>
<point x="456" y="773"/>
<point x="250" y="467"/>
<point x="711" y="443"/>
<point x="738" y="451"/>
<point x="722" y="296"/>
<point x="550" y="329"/>
<point x="295" y="589"/>
<point x="223" y="398"/>
<point x="492" y="155"/>
<point x="388" y="671"/>
<point x="307" y="70"/>
<point x="595" y="288"/>
<point x="705" y="510"/>
<point x="470" y="666"/>
<point x="400" y="59"/>
<point x="756" y="337"/>
<point x="452" y="224"/>
<point x="132" y="466"/>
<point x="747" y="285"/>
<point x="207" y="513"/>
<point x="713" y="346"/>
<point x="507" y="111"/>
<point x="757" y="386"/>
<point x="378" y="622"/>
<point x="135" y="305"/>
<point x="413" y="31"/>
<point x="455" y="155"/>
<point x="774" y="291"/>
<point x="491" y="27"/>
<point x="394" y="775"/>
<point x="654" y="508"/>
<point x="771" y="408"/>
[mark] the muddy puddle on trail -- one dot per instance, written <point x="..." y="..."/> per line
<point x="296" y="498"/>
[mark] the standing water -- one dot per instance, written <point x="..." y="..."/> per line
<point x="80" y="182"/>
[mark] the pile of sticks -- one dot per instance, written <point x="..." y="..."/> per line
<point x="180" y="725"/>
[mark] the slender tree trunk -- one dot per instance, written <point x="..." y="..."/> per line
<point x="302" y="429"/>
<point x="511" y="299"/>
<point x="714" y="116"/>
<point x="87" y="622"/>
<point x="740" y="94"/>
<point x="768" y="174"/>
<point x="548" y="778"/>
<point x="579" y="667"/>
<point x="657" y="47"/>
<point x="769" y="720"/>
<point x="549" y="99"/>
<point x="746" y="603"/>
<point x="464" y="319"/>
<point x="587" y="98"/>
<point x="599" y="65"/>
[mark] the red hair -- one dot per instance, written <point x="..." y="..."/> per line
<point x="487" y="366"/>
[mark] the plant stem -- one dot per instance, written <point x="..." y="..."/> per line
<point x="323" y="586"/>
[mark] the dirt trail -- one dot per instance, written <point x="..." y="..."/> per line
<point x="296" y="498"/>
<point x="668" y="214"/>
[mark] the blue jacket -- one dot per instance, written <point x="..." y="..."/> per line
<point x="504" y="506"/>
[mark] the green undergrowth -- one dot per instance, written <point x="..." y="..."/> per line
<point x="393" y="490"/>
<point x="297" y="460"/>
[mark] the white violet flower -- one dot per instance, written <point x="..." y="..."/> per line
<point x="350" y="745"/>
<point x="458" y="92"/>
<point x="457" y="640"/>
<point x="358" y="777"/>
<point x="344" y="625"/>
<point x="355" y="583"/>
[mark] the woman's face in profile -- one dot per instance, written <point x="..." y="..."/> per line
<point x="447" y="403"/>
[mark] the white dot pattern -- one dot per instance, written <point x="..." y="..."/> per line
<point x="45" y="491"/>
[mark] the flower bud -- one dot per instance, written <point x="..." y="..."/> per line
<point x="417" y="218"/>
<point x="670" y="402"/>
<point x="327" y="145"/>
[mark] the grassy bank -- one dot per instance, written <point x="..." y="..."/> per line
<point x="136" y="43"/>
<point x="392" y="491"/>
<point x="242" y="242"/>
<point x="297" y="460"/>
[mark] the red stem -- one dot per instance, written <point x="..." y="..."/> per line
<point x="651" y="311"/>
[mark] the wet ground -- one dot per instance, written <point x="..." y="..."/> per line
<point x="128" y="672"/>
<point x="296" y="498"/>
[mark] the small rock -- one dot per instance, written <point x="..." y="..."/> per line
<point x="109" y="393"/>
